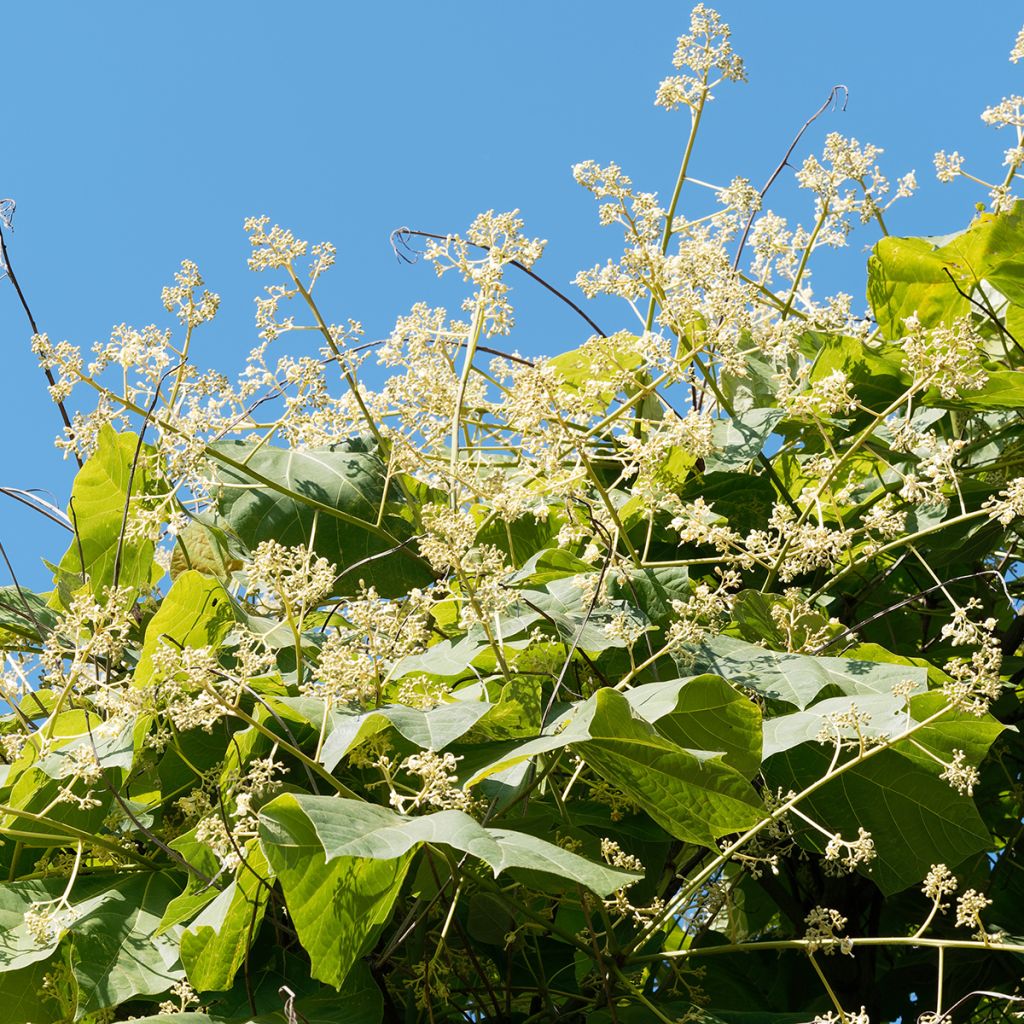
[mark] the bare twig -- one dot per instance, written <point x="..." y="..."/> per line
<point x="401" y="246"/>
<point x="833" y="99"/>
<point x="6" y="215"/>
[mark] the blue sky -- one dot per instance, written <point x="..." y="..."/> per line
<point x="136" y="135"/>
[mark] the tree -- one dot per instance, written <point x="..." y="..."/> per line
<point x="674" y="677"/>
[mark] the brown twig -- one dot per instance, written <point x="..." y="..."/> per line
<point x="833" y="98"/>
<point x="400" y="237"/>
<point x="7" y="205"/>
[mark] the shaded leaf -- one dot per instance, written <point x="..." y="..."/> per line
<point x="341" y="491"/>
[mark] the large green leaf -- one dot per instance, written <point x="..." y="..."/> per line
<point x="934" y="277"/>
<point x="653" y="591"/>
<point x="883" y="716"/>
<point x="740" y="438"/>
<point x="799" y="678"/>
<point x="431" y="730"/>
<point x="694" y="797"/>
<point x="353" y="828"/>
<point x="197" y="612"/>
<point x="215" y="943"/>
<point x="331" y="496"/>
<point x="915" y="818"/>
<point x="21" y="994"/>
<point x="20" y="947"/>
<point x="339" y="905"/>
<point x="99" y="497"/>
<point x="704" y="713"/>
<point x="561" y="606"/>
<point x="117" y="955"/>
<point x="25" y="614"/>
<point x="547" y="565"/>
<point x="602" y="361"/>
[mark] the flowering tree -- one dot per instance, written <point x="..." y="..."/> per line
<point x="671" y="678"/>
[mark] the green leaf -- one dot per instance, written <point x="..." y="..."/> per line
<point x="704" y="713"/>
<point x="205" y="549"/>
<point x="547" y="565"/>
<point x="26" y="614"/>
<point x="353" y="828"/>
<point x="561" y="606"/>
<point x="694" y="797"/>
<point x="601" y="361"/>
<point x="339" y="491"/>
<point x="739" y="439"/>
<point x="798" y="678"/>
<point x="654" y="590"/>
<point x="338" y="906"/>
<point x="215" y="944"/>
<point x="914" y="817"/>
<point x="20" y="947"/>
<point x="933" y="277"/>
<point x="887" y="717"/>
<point x="197" y="612"/>
<point x="743" y="500"/>
<point x="117" y="955"/>
<point x="20" y="994"/>
<point x="430" y="730"/>
<point x="99" y="496"/>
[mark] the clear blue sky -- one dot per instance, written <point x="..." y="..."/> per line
<point x="137" y="134"/>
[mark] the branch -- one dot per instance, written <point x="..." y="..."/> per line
<point x="833" y="99"/>
<point x="400" y="241"/>
<point x="6" y="214"/>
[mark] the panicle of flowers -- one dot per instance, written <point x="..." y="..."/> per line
<point x="1017" y="53"/>
<point x="448" y="534"/>
<point x="181" y="299"/>
<point x="975" y="682"/>
<point x="704" y="613"/>
<point x="803" y="628"/>
<point x="963" y="777"/>
<point x="353" y="664"/>
<point x="948" y="166"/>
<point x="848" y="181"/>
<point x="324" y="255"/>
<point x="847" y="1017"/>
<point x="1008" y="504"/>
<point x="184" y="999"/>
<point x="838" y="725"/>
<point x="885" y="518"/>
<point x="277" y="247"/>
<point x="938" y="883"/>
<point x="827" y="396"/>
<point x="46" y="921"/>
<point x="740" y="195"/>
<point x="969" y="906"/>
<point x="189" y="687"/>
<point x="439" y="786"/>
<point x="797" y="547"/>
<point x="823" y="926"/>
<point x="294" y="575"/>
<point x="501" y="238"/>
<point x="948" y="358"/>
<point x="63" y="357"/>
<point x="848" y="854"/>
<point x="708" y="55"/>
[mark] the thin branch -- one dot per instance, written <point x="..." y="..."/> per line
<point x="44" y="508"/>
<point x="119" y="553"/>
<point x="833" y="99"/>
<point x="988" y="312"/>
<point x="400" y="245"/>
<point x="7" y="206"/>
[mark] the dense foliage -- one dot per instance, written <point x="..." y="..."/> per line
<point x="671" y="678"/>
